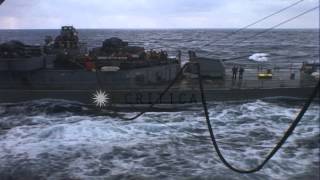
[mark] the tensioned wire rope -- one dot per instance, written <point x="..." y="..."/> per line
<point x="182" y="69"/>
<point x="277" y="25"/>
<point x="250" y="25"/>
<point x="258" y="21"/>
<point x="269" y="29"/>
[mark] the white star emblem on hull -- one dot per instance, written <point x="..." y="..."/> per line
<point x="101" y="98"/>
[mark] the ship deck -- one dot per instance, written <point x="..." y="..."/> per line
<point x="281" y="79"/>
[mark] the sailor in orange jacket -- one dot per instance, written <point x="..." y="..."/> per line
<point x="89" y="64"/>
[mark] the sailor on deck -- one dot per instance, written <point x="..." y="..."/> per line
<point x="89" y="64"/>
<point x="241" y="71"/>
<point x="234" y="72"/>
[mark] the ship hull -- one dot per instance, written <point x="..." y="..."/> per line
<point x="147" y="96"/>
<point x="123" y="88"/>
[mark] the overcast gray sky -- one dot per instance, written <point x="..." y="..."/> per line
<point x="47" y="14"/>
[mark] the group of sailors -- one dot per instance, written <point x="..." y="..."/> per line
<point x="162" y="55"/>
<point x="236" y="70"/>
<point x="145" y="55"/>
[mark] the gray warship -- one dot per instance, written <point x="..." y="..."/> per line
<point x="119" y="74"/>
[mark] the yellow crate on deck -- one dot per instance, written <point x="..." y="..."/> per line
<point x="265" y="75"/>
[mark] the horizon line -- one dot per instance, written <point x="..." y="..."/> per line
<point x="202" y="28"/>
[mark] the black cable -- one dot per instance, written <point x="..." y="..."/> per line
<point x="278" y="145"/>
<point x="179" y="74"/>
<point x="204" y="104"/>
<point x="212" y="136"/>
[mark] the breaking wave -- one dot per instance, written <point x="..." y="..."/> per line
<point x="259" y="57"/>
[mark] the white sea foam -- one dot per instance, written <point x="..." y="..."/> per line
<point x="259" y="57"/>
<point x="161" y="143"/>
<point x="316" y="75"/>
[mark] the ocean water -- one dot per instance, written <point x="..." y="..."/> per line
<point x="54" y="139"/>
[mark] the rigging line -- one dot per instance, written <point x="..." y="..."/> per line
<point x="278" y="145"/>
<point x="214" y="141"/>
<point x="269" y="29"/>
<point x="196" y="138"/>
<point x="258" y="21"/>
<point x="204" y="103"/>
<point x="199" y="138"/>
<point x="179" y="74"/>
<point x="204" y="139"/>
<point x="280" y="24"/>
